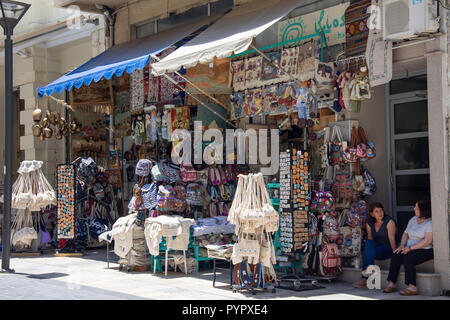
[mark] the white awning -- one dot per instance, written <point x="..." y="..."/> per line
<point x="233" y="33"/>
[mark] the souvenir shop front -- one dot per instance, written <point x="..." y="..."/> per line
<point x="303" y="221"/>
<point x="322" y="187"/>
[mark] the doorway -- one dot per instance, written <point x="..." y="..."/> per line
<point x="409" y="151"/>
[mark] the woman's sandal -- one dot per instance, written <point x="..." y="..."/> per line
<point x="408" y="292"/>
<point x="389" y="290"/>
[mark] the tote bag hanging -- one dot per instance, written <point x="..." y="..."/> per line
<point x="350" y="154"/>
<point x="337" y="147"/>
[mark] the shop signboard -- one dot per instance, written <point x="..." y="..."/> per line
<point x="329" y="19"/>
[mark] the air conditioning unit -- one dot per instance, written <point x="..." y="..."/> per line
<point x="405" y="19"/>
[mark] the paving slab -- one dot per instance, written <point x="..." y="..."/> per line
<point x="86" y="278"/>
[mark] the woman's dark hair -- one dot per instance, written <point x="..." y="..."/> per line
<point x="425" y="209"/>
<point x="372" y="207"/>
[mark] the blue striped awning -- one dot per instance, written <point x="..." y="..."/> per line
<point x="128" y="56"/>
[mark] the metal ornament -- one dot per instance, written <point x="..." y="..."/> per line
<point x="48" y="132"/>
<point x="58" y="135"/>
<point x="45" y="122"/>
<point x="37" y="113"/>
<point x="36" y="129"/>
<point x="51" y="117"/>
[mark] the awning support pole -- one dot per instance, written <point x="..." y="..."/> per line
<point x="198" y="100"/>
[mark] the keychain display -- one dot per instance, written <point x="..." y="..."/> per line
<point x="66" y="201"/>
<point x="286" y="227"/>
<point x="300" y="178"/>
<point x="300" y="195"/>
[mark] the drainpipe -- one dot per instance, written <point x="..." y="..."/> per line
<point x="108" y="12"/>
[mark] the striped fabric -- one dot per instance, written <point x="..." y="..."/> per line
<point x="356" y="29"/>
<point x="149" y="193"/>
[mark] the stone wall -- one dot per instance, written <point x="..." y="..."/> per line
<point x="144" y="11"/>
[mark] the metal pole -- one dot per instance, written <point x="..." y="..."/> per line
<point x="6" y="245"/>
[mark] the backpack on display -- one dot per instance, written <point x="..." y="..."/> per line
<point x="351" y="244"/>
<point x="337" y="147"/>
<point x="322" y="202"/>
<point x="194" y="194"/>
<point x="158" y="173"/>
<point x="370" y="185"/>
<point x="149" y="195"/>
<point x="179" y="192"/>
<point x="187" y="172"/>
<point x="331" y="259"/>
<point x="163" y="198"/>
<point x="172" y="172"/>
<point x="87" y="167"/>
<point x="343" y="185"/>
<point x="357" y="215"/>
<point x="331" y="229"/>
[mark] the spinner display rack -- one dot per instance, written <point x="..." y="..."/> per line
<point x="295" y="186"/>
<point x="66" y="200"/>
<point x="252" y="281"/>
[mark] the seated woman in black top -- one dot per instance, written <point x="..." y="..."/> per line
<point x="381" y="239"/>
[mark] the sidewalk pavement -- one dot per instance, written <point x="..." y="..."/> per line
<point x="87" y="278"/>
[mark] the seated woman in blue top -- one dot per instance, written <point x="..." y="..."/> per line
<point x="381" y="240"/>
<point x="415" y="248"/>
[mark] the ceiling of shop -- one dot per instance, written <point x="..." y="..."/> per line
<point x="89" y="5"/>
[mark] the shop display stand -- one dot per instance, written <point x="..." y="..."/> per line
<point x="73" y="247"/>
<point x="253" y="290"/>
<point x="163" y="248"/>
<point x="104" y="204"/>
<point x="126" y="267"/>
<point x="292" y="280"/>
<point x="230" y="269"/>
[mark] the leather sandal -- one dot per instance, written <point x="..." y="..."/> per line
<point x="408" y="292"/>
<point x="389" y="290"/>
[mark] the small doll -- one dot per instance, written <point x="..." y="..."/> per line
<point x="301" y="104"/>
<point x="313" y="104"/>
<point x="336" y="94"/>
<point x="344" y="80"/>
<point x="150" y="124"/>
<point x="168" y="108"/>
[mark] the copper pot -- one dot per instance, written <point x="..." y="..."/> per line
<point x="37" y="114"/>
